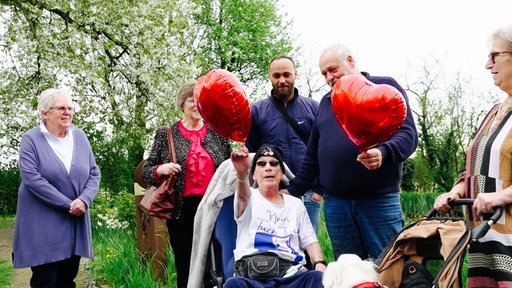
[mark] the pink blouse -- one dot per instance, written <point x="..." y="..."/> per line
<point x="200" y="167"/>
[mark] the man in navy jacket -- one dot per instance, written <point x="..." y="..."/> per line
<point x="269" y="125"/>
<point x="362" y="204"/>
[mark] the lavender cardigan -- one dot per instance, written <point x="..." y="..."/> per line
<point x="45" y="232"/>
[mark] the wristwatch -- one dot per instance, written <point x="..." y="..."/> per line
<point x="318" y="262"/>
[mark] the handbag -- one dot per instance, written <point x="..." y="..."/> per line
<point x="137" y="175"/>
<point x="262" y="266"/>
<point x="415" y="275"/>
<point x="159" y="201"/>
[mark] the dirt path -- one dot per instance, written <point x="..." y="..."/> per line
<point x="22" y="277"/>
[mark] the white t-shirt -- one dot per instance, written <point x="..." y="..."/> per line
<point x="264" y="226"/>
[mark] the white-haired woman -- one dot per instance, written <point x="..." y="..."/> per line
<point x="488" y="176"/>
<point x="60" y="179"/>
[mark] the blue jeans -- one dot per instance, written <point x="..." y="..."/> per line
<point x="362" y="226"/>
<point x="313" y="209"/>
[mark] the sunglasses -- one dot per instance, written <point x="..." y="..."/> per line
<point x="492" y="55"/>
<point x="264" y="163"/>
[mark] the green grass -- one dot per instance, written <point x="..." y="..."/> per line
<point x="6" y="269"/>
<point x="116" y="251"/>
<point x="325" y="241"/>
<point x="7" y="221"/>
<point x="118" y="263"/>
<point x="6" y="272"/>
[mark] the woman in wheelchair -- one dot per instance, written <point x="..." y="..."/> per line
<point x="273" y="228"/>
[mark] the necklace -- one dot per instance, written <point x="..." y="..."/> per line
<point x="500" y="113"/>
<point x="503" y="108"/>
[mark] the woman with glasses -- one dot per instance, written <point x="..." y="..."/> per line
<point x="271" y="227"/>
<point x="199" y="152"/>
<point x="60" y="180"/>
<point x="488" y="176"/>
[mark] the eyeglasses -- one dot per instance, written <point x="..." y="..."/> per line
<point x="264" y="163"/>
<point x="63" y="109"/>
<point x="492" y="55"/>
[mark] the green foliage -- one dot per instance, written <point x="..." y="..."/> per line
<point x="117" y="163"/>
<point x="114" y="211"/>
<point x="118" y="57"/>
<point x="407" y="183"/>
<point x="325" y="240"/>
<point x="464" y="271"/>
<point x="240" y="36"/>
<point x="423" y="175"/>
<point x="416" y="204"/>
<point x="9" y="182"/>
<point x="124" y="62"/>
<point x="125" y="203"/>
<point x="447" y="116"/>
<point x="434" y="266"/>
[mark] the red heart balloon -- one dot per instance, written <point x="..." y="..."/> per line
<point x="368" y="113"/>
<point x="222" y="103"/>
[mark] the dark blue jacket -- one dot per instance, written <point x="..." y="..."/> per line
<point x="331" y="156"/>
<point x="268" y="125"/>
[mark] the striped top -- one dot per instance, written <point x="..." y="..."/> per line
<point x="489" y="169"/>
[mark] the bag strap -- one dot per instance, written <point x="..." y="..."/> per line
<point x="289" y="119"/>
<point x="170" y="141"/>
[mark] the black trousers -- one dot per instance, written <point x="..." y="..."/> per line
<point x="60" y="274"/>
<point x="181" y="232"/>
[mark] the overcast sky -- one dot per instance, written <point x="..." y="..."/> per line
<point x="392" y="37"/>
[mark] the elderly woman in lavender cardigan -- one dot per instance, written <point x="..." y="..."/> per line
<point x="59" y="182"/>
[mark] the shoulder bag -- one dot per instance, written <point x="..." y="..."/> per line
<point x="137" y="175"/>
<point x="289" y="120"/>
<point x="159" y="201"/>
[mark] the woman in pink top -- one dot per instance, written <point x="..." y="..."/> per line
<point x="199" y="151"/>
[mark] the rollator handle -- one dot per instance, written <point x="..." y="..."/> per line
<point x="482" y="229"/>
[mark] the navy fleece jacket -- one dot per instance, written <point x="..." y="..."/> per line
<point x="331" y="156"/>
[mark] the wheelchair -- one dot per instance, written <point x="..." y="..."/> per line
<point x="220" y="260"/>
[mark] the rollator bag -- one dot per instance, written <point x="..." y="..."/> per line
<point x="442" y="239"/>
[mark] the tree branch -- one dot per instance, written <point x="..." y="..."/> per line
<point x="88" y="28"/>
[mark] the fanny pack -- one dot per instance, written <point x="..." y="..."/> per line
<point x="262" y="266"/>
